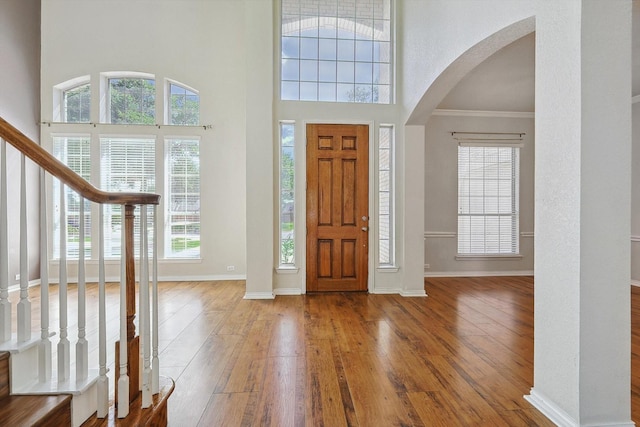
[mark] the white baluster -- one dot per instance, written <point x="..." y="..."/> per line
<point x="44" y="347"/>
<point x="155" y="370"/>
<point x="24" y="305"/>
<point x="82" y="346"/>
<point x="103" y="381"/>
<point x="123" y="381"/>
<point x="5" y="304"/>
<point x="64" y="350"/>
<point x="144" y="308"/>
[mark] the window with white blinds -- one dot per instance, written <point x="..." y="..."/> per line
<point x="128" y="165"/>
<point x="183" y="207"/>
<point x="488" y="200"/>
<point x="385" y="196"/>
<point x="75" y="152"/>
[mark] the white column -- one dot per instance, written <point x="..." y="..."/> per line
<point x="123" y="381"/>
<point x="44" y="347"/>
<point x="145" y="327"/>
<point x="413" y="224"/>
<point x="259" y="131"/>
<point x="582" y="212"/>
<point x="24" y="305"/>
<point x="155" y="368"/>
<point x="5" y="304"/>
<point x="103" y="380"/>
<point x="64" y="347"/>
<point x="82" y="346"/>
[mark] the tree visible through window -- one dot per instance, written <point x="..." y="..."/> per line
<point x="133" y="101"/>
<point x="184" y="106"/>
<point x="77" y="104"/>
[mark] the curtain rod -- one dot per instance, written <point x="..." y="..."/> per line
<point x="520" y="134"/>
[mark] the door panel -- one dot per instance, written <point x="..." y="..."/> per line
<point x="337" y="207"/>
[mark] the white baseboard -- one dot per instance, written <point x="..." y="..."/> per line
<point x="386" y="291"/>
<point x="259" y="295"/>
<point x="287" y="291"/>
<point x="635" y="283"/>
<point x="550" y="410"/>
<point x="414" y="293"/>
<point x="478" y="273"/>
<point x="111" y="279"/>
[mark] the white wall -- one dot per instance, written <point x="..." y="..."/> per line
<point x="20" y="106"/>
<point x="198" y="43"/>
<point x="635" y="195"/>
<point x="441" y="190"/>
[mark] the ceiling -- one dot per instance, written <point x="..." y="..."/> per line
<point x="506" y="80"/>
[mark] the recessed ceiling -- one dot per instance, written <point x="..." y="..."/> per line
<point x="506" y="80"/>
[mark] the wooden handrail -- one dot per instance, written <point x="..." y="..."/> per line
<point x="61" y="171"/>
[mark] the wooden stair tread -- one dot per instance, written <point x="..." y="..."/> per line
<point x="32" y="410"/>
<point x="155" y="415"/>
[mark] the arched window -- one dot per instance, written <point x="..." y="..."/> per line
<point x="336" y="50"/>
<point x="123" y="156"/>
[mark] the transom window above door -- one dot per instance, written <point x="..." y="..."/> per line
<point x="336" y="51"/>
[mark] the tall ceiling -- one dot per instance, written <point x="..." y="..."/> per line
<point x="506" y="80"/>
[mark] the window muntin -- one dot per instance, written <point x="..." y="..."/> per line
<point x="287" y="191"/>
<point x="385" y="195"/>
<point x="184" y="106"/>
<point x="77" y="104"/>
<point x="336" y="50"/>
<point x="126" y="164"/>
<point x="183" y="207"/>
<point x="488" y="200"/>
<point x="132" y="101"/>
<point x="74" y="152"/>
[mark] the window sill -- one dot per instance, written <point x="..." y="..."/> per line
<point x="287" y="270"/>
<point x="476" y="257"/>
<point x="388" y="269"/>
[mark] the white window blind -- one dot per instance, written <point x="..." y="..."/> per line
<point x="128" y="165"/>
<point x="74" y="152"/>
<point x="183" y="207"/>
<point x="385" y="196"/>
<point x="488" y="200"/>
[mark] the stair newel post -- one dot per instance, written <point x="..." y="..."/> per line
<point x="64" y="350"/>
<point x="155" y="369"/>
<point x="24" y="305"/>
<point x="145" y="329"/>
<point x="5" y="304"/>
<point x="44" y="347"/>
<point x="103" y="381"/>
<point x="123" y="378"/>
<point x="82" y="346"/>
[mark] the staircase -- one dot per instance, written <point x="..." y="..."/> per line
<point x="39" y="383"/>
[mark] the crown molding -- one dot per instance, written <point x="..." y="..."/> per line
<point x="481" y="113"/>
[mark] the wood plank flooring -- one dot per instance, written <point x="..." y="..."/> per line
<point x="461" y="357"/>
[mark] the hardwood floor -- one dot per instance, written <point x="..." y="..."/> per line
<point x="461" y="357"/>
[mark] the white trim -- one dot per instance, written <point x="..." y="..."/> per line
<point x="526" y="234"/>
<point x="635" y="238"/>
<point x="481" y="113"/>
<point x="287" y="291"/>
<point x="386" y="291"/>
<point x="388" y="269"/>
<point x="439" y="234"/>
<point x="31" y="283"/>
<point x="485" y="257"/>
<point x="259" y="295"/>
<point x="478" y="273"/>
<point x="635" y="282"/>
<point x="202" y="278"/>
<point x="635" y="99"/>
<point x="550" y="409"/>
<point x="414" y="293"/>
<point x="287" y="270"/>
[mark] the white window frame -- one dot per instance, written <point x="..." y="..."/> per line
<point x="390" y="221"/>
<point x="167" y="101"/>
<point x="513" y="215"/>
<point x="281" y="262"/>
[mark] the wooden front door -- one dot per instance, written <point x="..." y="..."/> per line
<point x="337" y="207"/>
